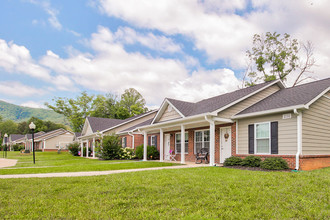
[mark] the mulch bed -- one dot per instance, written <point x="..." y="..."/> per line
<point x="256" y="169"/>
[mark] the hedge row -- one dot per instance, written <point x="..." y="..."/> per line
<point x="271" y="163"/>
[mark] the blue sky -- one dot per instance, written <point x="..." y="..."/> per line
<point x="167" y="48"/>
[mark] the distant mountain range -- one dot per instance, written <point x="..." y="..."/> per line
<point x="19" y="113"/>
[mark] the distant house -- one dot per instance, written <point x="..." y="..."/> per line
<point x="95" y="128"/>
<point x="54" y="140"/>
<point x="265" y="120"/>
<point x="50" y="141"/>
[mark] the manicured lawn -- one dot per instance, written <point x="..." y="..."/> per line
<point x="197" y="193"/>
<point x="51" y="162"/>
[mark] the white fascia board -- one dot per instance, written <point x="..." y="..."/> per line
<point x="105" y="130"/>
<point x="222" y="119"/>
<point x="175" y="122"/>
<point x="317" y="97"/>
<point x="85" y="126"/>
<point x="328" y="97"/>
<point x="162" y="110"/>
<point x="271" y="111"/>
<point x="279" y="82"/>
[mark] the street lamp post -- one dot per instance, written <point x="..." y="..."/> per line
<point x="6" y="140"/>
<point x="32" y="126"/>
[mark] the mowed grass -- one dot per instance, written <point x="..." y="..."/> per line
<point x="196" y="193"/>
<point x="52" y="162"/>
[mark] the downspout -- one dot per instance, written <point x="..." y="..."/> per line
<point x="299" y="137"/>
<point x="130" y="134"/>
<point x="212" y="140"/>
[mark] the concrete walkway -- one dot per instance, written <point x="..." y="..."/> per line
<point x="96" y="173"/>
<point x="7" y="162"/>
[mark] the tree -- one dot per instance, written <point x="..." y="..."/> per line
<point x="133" y="101"/>
<point x="8" y="126"/>
<point x="276" y="57"/>
<point x="46" y="126"/>
<point x="75" y="110"/>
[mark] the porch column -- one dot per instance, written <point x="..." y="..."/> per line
<point x="183" y="144"/>
<point x="161" y="140"/>
<point x="145" y="143"/>
<point x="94" y="147"/>
<point x="81" y="148"/>
<point x="212" y="142"/>
<point x="87" y="148"/>
<point x="44" y="146"/>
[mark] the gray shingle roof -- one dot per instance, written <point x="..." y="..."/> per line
<point x="214" y="103"/>
<point x="147" y="122"/>
<point x="298" y="95"/>
<point x="100" y="124"/>
<point x="15" y="137"/>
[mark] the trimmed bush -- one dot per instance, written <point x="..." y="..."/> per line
<point x="74" y="149"/>
<point x="251" y="161"/>
<point x="233" y="161"/>
<point x="152" y="152"/>
<point x="111" y="148"/>
<point x="274" y="163"/>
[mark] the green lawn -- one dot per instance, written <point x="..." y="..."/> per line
<point x="51" y="162"/>
<point x="197" y="193"/>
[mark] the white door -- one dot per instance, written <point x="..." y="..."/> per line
<point x="225" y="143"/>
<point x="167" y="140"/>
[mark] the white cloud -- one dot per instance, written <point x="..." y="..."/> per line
<point x="112" y="69"/>
<point x="32" y="104"/>
<point x="17" y="89"/>
<point x="17" y="59"/>
<point x="160" y="43"/>
<point x="216" y="28"/>
<point x="52" y="13"/>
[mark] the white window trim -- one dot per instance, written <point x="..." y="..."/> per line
<point x="122" y="142"/>
<point x="255" y="138"/>
<point x="180" y="146"/>
<point x="153" y="137"/>
<point x="202" y="138"/>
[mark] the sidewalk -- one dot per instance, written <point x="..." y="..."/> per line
<point x="7" y="162"/>
<point x="96" y="173"/>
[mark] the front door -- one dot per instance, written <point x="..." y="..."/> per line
<point x="167" y="146"/>
<point x="225" y="143"/>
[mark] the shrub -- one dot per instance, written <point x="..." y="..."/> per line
<point x="232" y="161"/>
<point x="251" y="161"/>
<point x="274" y="163"/>
<point x="111" y="148"/>
<point x="74" y="148"/>
<point x="127" y="153"/>
<point x="152" y="152"/>
<point x="18" y="147"/>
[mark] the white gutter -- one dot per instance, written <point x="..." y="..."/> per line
<point x="299" y="136"/>
<point x="212" y="140"/>
<point x="130" y="134"/>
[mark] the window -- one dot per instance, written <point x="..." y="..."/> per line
<point x="202" y="140"/>
<point x="178" y="143"/>
<point x="153" y="140"/>
<point x="124" y="142"/>
<point x="262" y="138"/>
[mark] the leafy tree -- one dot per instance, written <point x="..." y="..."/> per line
<point x="276" y="57"/>
<point x="110" y="148"/>
<point x="108" y="106"/>
<point x="75" y="110"/>
<point x="8" y="126"/>
<point x="133" y="101"/>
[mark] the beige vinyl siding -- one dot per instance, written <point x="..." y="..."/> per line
<point x="61" y="140"/>
<point x="130" y="124"/>
<point x="316" y="128"/>
<point x="287" y="133"/>
<point x="227" y="113"/>
<point x="169" y="115"/>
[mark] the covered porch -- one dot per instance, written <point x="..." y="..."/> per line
<point x="183" y="138"/>
<point x="88" y="145"/>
